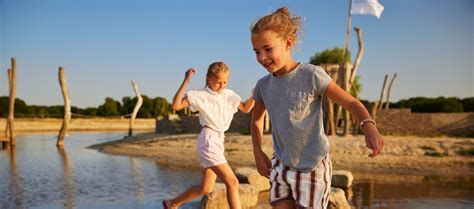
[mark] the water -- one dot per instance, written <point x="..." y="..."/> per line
<point x="39" y="175"/>
<point x="36" y="174"/>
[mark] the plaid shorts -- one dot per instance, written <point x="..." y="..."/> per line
<point x="308" y="190"/>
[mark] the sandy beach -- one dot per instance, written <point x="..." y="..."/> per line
<point x="439" y="156"/>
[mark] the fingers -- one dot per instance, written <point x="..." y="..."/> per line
<point x="264" y="171"/>
<point x="378" y="148"/>
<point x="191" y="71"/>
<point x="368" y="143"/>
<point x="265" y="167"/>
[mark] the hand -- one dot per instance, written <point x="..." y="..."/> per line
<point x="263" y="163"/>
<point x="190" y="73"/>
<point x="373" y="140"/>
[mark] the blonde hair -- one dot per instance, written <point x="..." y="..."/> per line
<point x="280" y="22"/>
<point x="215" y="68"/>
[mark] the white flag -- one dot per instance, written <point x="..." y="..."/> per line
<point x="362" y="7"/>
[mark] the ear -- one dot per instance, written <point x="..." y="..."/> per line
<point x="289" y="43"/>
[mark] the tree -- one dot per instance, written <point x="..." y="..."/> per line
<point x="127" y="105"/>
<point x="161" y="107"/>
<point x="146" y="111"/>
<point x="330" y="56"/>
<point x="109" y="108"/>
<point x="468" y="104"/>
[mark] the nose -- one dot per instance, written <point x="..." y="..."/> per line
<point x="261" y="57"/>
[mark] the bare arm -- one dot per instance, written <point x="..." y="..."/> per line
<point x="373" y="138"/>
<point x="180" y="102"/>
<point x="262" y="161"/>
<point x="247" y="106"/>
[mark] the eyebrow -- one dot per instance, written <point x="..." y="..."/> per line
<point x="265" y="46"/>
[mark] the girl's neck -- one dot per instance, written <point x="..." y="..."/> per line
<point x="292" y="64"/>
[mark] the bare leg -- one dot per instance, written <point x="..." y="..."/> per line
<point x="206" y="186"/>
<point x="287" y="204"/>
<point x="225" y="173"/>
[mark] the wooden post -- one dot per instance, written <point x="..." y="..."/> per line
<point x="137" y="107"/>
<point x="330" y="127"/>
<point x="380" y="103"/>
<point x="67" y="108"/>
<point x="353" y="73"/>
<point x="373" y="110"/>
<point x="358" y="59"/>
<point x="388" y="91"/>
<point x="344" y="70"/>
<point x="10" y="129"/>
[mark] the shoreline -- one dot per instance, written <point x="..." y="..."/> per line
<point x="34" y="125"/>
<point x="405" y="155"/>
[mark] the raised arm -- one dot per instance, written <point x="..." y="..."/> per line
<point x="180" y="102"/>
<point x="261" y="160"/>
<point x="373" y="139"/>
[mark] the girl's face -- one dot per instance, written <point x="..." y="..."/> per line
<point x="218" y="82"/>
<point x="272" y="52"/>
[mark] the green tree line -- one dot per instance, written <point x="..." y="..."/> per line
<point x="158" y="106"/>
<point x="431" y="105"/>
<point x="150" y="108"/>
<point x="439" y="104"/>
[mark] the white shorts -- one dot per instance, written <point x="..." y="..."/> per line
<point x="210" y="147"/>
<point x="308" y="190"/>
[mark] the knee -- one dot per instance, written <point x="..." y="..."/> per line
<point x="232" y="182"/>
<point x="203" y="189"/>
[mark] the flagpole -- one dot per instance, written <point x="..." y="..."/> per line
<point x="343" y="71"/>
<point x="348" y="30"/>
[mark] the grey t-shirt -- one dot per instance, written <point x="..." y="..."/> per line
<point x="294" y="105"/>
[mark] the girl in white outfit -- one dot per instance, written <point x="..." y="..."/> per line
<point x="216" y="106"/>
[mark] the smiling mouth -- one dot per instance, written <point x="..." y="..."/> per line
<point x="268" y="64"/>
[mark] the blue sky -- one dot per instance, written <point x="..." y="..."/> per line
<point x="103" y="44"/>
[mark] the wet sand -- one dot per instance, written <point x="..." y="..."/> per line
<point x="401" y="155"/>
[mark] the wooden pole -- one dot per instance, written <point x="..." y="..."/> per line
<point x="343" y="68"/>
<point x="10" y="130"/>
<point x="332" y="71"/>
<point x="358" y="59"/>
<point x="380" y="103"/>
<point x="67" y="108"/>
<point x="388" y="91"/>
<point x="137" y="107"/>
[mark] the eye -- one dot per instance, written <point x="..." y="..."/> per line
<point x="268" y="49"/>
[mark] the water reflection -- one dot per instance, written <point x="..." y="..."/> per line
<point x="412" y="191"/>
<point x="15" y="185"/>
<point x="68" y="177"/>
<point x="137" y="182"/>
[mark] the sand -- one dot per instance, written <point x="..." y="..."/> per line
<point x="401" y="154"/>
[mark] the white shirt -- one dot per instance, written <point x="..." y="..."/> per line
<point x="216" y="109"/>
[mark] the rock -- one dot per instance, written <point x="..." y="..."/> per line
<point x="342" y="179"/>
<point x="217" y="198"/>
<point x="248" y="175"/>
<point x="337" y="199"/>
